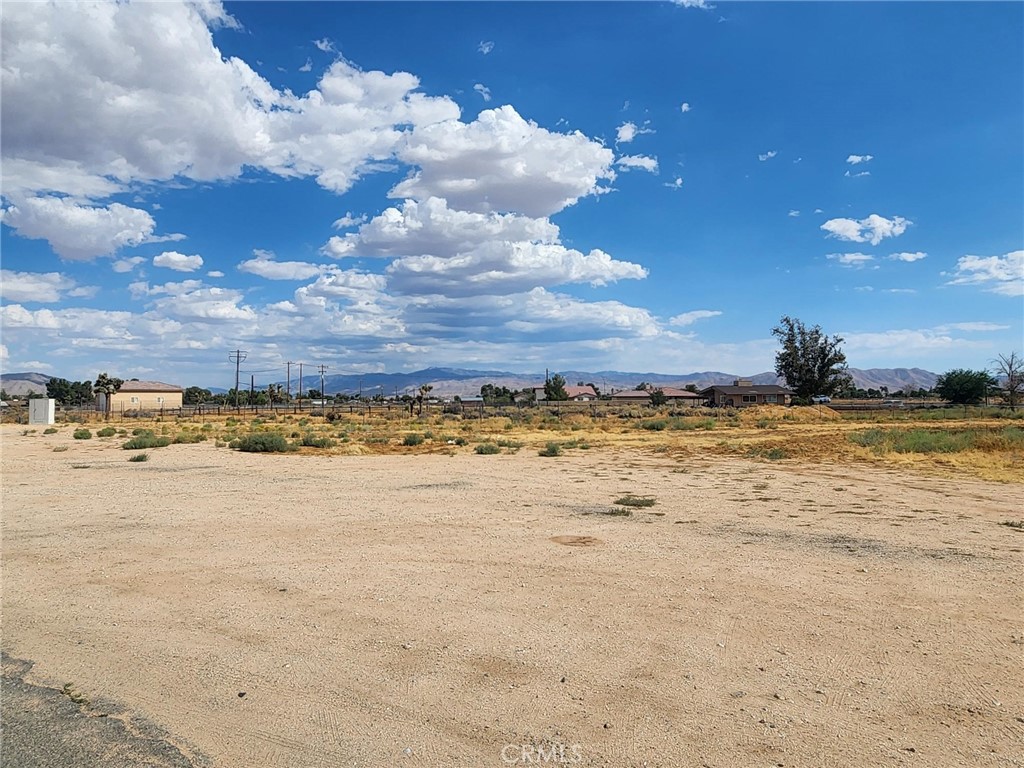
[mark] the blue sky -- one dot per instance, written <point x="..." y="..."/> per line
<point x="388" y="186"/>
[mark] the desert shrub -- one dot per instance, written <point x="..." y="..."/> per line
<point x="139" y="457"/>
<point x="106" y="432"/>
<point x="82" y="434"/>
<point x="309" y="440"/>
<point x="59" y="448"/>
<point x="50" y="431"/>
<point x="261" y="442"/>
<point x="207" y="427"/>
<point x="138" y="432"/>
<point x="629" y="500"/>
<point x="461" y="441"/>
<point x="551" y="449"/>
<point x="413" y="438"/>
<point x="772" y="454"/>
<point x="147" y="441"/>
<point x="487" y="449"/>
<point x="189" y="437"/>
<point x="654" y="425"/>
<point x="617" y="512"/>
<point x="688" y="423"/>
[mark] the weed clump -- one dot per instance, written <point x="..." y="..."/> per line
<point x="487" y="449"/>
<point x="551" y="449"/>
<point x="82" y="434"/>
<point x="262" y="442"/>
<point x="147" y="441"/>
<point x="106" y="432"/>
<point x="413" y="438"/>
<point x="309" y="440"/>
<point x="139" y="457"/>
<point x="629" y="500"/>
<point x="50" y="431"/>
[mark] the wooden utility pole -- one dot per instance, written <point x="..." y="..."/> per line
<point x="237" y="357"/>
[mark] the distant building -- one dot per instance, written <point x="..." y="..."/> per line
<point x="672" y="394"/>
<point x="142" y="396"/>
<point x="744" y="393"/>
<point x="579" y="394"/>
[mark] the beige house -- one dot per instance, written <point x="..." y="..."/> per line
<point x="142" y="396"/>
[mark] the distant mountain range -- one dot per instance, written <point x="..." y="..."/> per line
<point x="447" y="382"/>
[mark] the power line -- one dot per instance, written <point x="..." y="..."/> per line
<point x="237" y="357"/>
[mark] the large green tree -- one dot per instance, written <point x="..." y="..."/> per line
<point x="964" y="386"/>
<point x="196" y="395"/>
<point x="811" y="362"/>
<point x="554" y="388"/>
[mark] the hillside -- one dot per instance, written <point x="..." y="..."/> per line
<point x="22" y="384"/>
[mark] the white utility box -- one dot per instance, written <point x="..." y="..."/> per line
<point x="41" y="410"/>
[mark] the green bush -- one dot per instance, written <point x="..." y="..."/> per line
<point x="147" y="441"/>
<point x="461" y="441"/>
<point x="59" y="448"/>
<point x="106" y="432"/>
<point x="938" y="440"/>
<point x="262" y="442"/>
<point x="139" y="457"/>
<point x="190" y="437"/>
<point x="82" y="434"/>
<point x="309" y="440"/>
<point x="688" y="423"/>
<point x="50" y="431"/>
<point x="137" y="432"/>
<point x="413" y="438"/>
<point x="654" y="425"/>
<point x="551" y="449"/>
<point x="487" y="449"/>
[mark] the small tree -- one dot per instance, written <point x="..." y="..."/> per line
<point x="810" y="362"/>
<point x="59" y="390"/>
<point x="107" y="385"/>
<point x="196" y="395"/>
<point x="554" y="388"/>
<point x="424" y="391"/>
<point x="963" y="386"/>
<point x="1010" y="368"/>
<point x="658" y="398"/>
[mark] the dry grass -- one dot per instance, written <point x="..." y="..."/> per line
<point x="769" y="433"/>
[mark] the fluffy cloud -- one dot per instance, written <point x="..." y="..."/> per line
<point x="264" y="265"/>
<point x="178" y="261"/>
<point x="858" y="159"/>
<point x="629" y="162"/>
<point x="483" y="90"/>
<point x="79" y="232"/>
<point x="694" y="4"/>
<point x="90" y="90"/>
<point x="127" y="265"/>
<point x="689" y="318"/>
<point x="431" y="227"/>
<point x="501" y="162"/>
<point x="628" y="131"/>
<point x="676" y="183"/>
<point x="793" y="213"/>
<point x="485" y="47"/>
<point x="908" y="257"/>
<point x="897" y="342"/>
<point x="1003" y="275"/>
<point x="856" y="260"/>
<point x="685" y="107"/>
<point x="33" y="286"/>
<point x="872" y="230"/>
<point x="767" y="155"/>
<point x="502" y="267"/>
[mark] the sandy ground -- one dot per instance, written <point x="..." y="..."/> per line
<point x="483" y="611"/>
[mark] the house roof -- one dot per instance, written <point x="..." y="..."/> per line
<point x="631" y="394"/>
<point x="675" y="392"/>
<point x="753" y="389"/>
<point x="149" y="386"/>
<point x="578" y="391"/>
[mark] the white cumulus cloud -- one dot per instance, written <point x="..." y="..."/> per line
<point x="628" y="131"/>
<point x="858" y="159"/>
<point x="872" y="229"/>
<point x="501" y="162"/>
<point x="1003" y="275"/>
<point x="767" y="155"/>
<point x="485" y="46"/>
<point x="685" y="107"/>
<point x="43" y="287"/>
<point x="908" y="257"/>
<point x="483" y="90"/>
<point x="266" y="266"/>
<point x="178" y="261"/>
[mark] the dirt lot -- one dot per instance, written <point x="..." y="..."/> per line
<point x="486" y="611"/>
